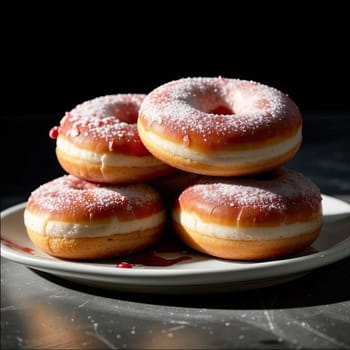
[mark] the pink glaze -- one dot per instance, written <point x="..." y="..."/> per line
<point x="77" y="199"/>
<point x="280" y="195"/>
<point x="272" y="191"/>
<point x="107" y="123"/>
<point x="215" y="113"/>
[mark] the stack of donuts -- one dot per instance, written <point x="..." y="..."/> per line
<point x="216" y="146"/>
<point x="103" y="207"/>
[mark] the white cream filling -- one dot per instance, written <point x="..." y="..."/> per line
<point x="52" y="228"/>
<point x="106" y="159"/>
<point x="231" y="157"/>
<point x="194" y="223"/>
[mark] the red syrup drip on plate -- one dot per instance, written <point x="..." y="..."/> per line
<point x="124" y="265"/>
<point x="17" y="246"/>
<point x="151" y="258"/>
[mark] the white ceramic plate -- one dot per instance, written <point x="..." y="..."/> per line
<point x="192" y="272"/>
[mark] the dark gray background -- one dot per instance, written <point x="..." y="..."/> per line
<point x="53" y="61"/>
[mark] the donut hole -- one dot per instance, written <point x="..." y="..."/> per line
<point x="125" y="112"/>
<point x="222" y="110"/>
<point x="210" y="100"/>
<point x="214" y="105"/>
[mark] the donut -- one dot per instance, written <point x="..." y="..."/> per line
<point x="220" y="127"/>
<point x="98" y="141"/>
<point x="75" y="219"/>
<point x="259" y="217"/>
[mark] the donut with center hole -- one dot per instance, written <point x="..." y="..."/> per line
<point x="98" y="141"/>
<point x="219" y="126"/>
<point x="75" y="219"/>
<point x="260" y="217"/>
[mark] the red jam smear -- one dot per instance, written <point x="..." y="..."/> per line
<point x="151" y="258"/>
<point x="17" y="246"/>
<point x="53" y="133"/>
<point x="124" y="265"/>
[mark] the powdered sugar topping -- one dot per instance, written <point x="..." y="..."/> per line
<point x="107" y="117"/>
<point x="71" y="194"/>
<point x="273" y="191"/>
<point x="189" y="105"/>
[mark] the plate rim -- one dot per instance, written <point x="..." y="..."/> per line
<point x="164" y="277"/>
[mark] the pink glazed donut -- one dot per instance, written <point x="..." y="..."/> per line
<point x="219" y="126"/>
<point x="75" y="219"/>
<point x="265" y="216"/>
<point x="98" y="141"/>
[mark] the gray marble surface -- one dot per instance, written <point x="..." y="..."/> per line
<point x="41" y="311"/>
